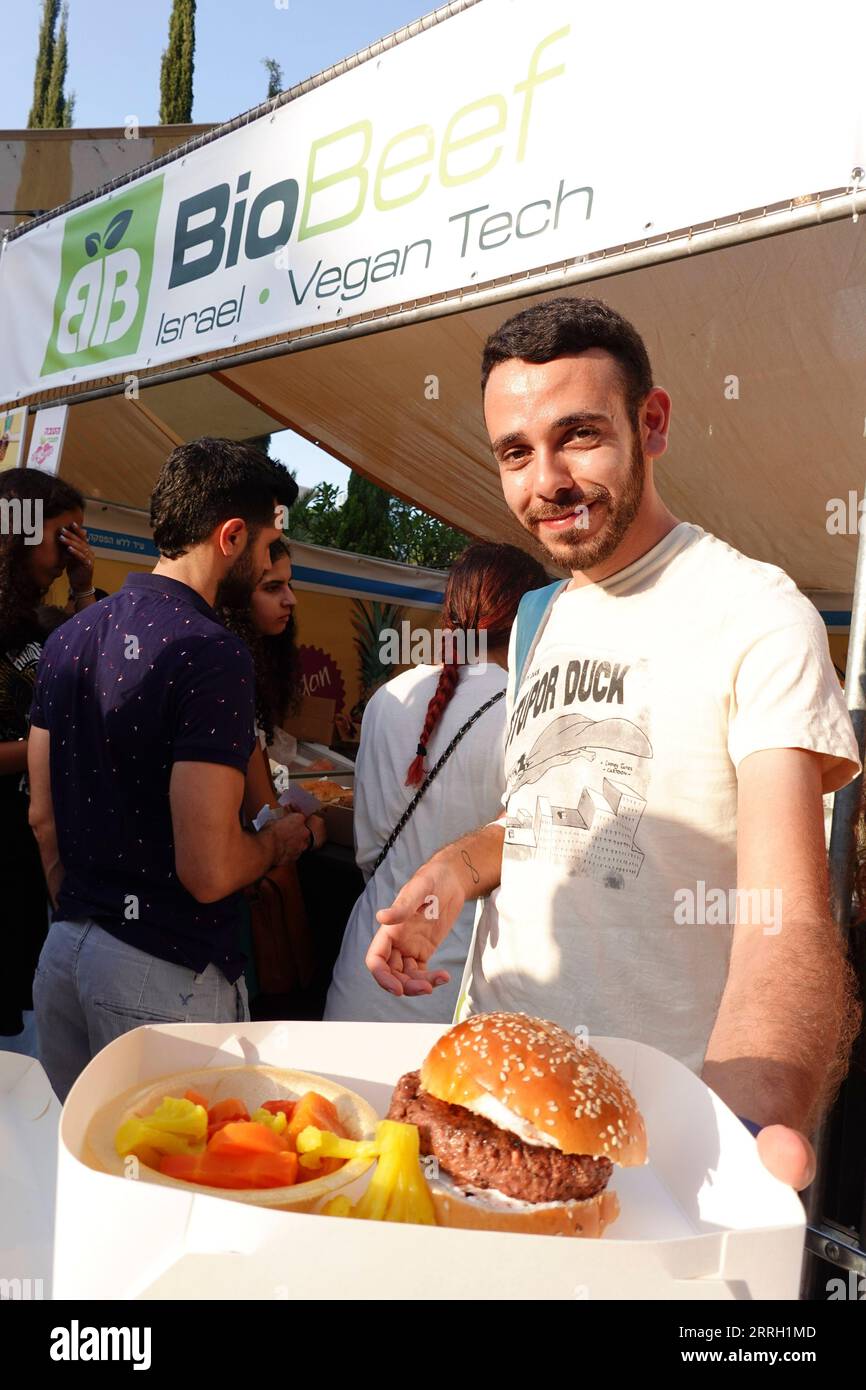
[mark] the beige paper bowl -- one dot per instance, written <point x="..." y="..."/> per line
<point x="253" y="1085"/>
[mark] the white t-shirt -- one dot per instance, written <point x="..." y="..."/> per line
<point x="646" y="690"/>
<point x="466" y="794"/>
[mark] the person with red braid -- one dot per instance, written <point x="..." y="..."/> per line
<point x="408" y="725"/>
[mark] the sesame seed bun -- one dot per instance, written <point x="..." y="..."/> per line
<point x="589" y="1218"/>
<point x="564" y="1089"/>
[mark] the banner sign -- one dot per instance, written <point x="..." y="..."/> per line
<point x="46" y="441"/>
<point x="512" y="135"/>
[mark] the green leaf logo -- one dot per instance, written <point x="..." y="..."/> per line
<point x="112" y="235"/>
<point x="116" y="227"/>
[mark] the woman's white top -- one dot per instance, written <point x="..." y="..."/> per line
<point x="466" y="794"/>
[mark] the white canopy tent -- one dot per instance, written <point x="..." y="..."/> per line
<point x="333" y="261"/>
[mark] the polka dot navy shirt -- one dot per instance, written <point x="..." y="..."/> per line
<point x="146" y="678"/>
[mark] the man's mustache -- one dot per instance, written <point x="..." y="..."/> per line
<point x="554" y="513"/>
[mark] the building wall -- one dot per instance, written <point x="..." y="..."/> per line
<point x="42" y="169"/>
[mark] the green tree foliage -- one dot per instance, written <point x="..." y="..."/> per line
<point x="175" y="82"/>
<point x="314" y="517"/>
<point x="365" y="524"/>
<point x="275" y="77"/>
<point x="51" y="109"/>
<point x="417" y="538"/>
<point x="413" y="537"/>
<point x="57" y="112"/>
<point x="370" y="620"/>
<point x="44" y="61"/>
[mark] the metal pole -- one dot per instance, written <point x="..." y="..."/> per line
<point x="821" y="1240"/>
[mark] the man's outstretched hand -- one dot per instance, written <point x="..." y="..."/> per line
<point x="787" y="1154"/>
<point x="416" y="923"/>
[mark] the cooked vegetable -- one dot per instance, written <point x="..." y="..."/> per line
<point x="280" y="1107"/>
<point x="276" y="1121"/>
<point x="225" y="1112"/>
<point x="313" y="1109"/>
<point x="235" y="1170"/>
<point x="397" y="1190"/>
<point x="243" y="1138"/>
<point x="175" y="1127"/>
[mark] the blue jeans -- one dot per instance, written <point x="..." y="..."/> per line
<point x="90" y="988"/>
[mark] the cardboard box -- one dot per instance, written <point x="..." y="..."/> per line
<point x="702" y="1220"/>
<point x="29" y="1119"/>
<point x="314" y="720"/>
<point x="339" y="823"/>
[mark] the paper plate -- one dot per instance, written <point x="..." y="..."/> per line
<point x="253" y="1085"/>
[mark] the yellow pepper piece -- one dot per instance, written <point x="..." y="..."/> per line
<point x="136" y="1136"/>
<point x="278" y="1123"/>
<point x="316" y="1143"/>
<point x="397" y="1191"/>
<point x="338" y="1206"/>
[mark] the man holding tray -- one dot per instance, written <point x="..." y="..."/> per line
<point x="659" y="871"/>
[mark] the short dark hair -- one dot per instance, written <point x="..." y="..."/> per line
<point x="207" y="481"/>
<point x="568" y="325"/>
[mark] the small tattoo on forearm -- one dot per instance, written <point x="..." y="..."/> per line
<point x="464" y="855"/>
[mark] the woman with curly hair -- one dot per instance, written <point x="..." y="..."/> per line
<point x="268" y="628"/>
<point x="41" y="535"/>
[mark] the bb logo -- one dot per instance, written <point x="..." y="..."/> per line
<point x="106" y="263"/>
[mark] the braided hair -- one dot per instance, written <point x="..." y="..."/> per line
<point x="485" y="585"/>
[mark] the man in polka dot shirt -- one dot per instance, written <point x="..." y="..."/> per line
<point x="142" y="730"/>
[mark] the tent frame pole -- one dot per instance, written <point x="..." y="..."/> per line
<point x="826" y="1241"/>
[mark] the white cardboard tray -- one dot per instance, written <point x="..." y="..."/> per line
<point x="703" y="1219"/>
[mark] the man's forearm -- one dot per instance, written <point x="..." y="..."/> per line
<point x="780" y="1045"/>
<point x="251" y="856"/>
<point x="476" y="859"/>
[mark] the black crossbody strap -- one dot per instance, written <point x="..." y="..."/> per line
<point x="434" y="772"/>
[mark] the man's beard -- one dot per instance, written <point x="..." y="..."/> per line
<point x="237" y="588"/>
<point x="575" y="553"/>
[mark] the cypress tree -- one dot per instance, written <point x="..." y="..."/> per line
<point x="275" y="77"/>
<point x="55" y="108"/>
<point x="44" y="64"/>
<point x="365" y="525"/>
<point x="175" y="83"/>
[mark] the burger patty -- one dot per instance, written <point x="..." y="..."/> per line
<point x="475" y="1151"/>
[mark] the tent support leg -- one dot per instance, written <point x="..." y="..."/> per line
<point x="822" y="1238"/>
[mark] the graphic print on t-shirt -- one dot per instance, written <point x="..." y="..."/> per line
<point x="577" y="773"/>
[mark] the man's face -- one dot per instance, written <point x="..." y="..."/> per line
<point x="238" y="585"/>
<point x="572" y="468"/>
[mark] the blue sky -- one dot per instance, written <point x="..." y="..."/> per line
<point x="114" y="60"/>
